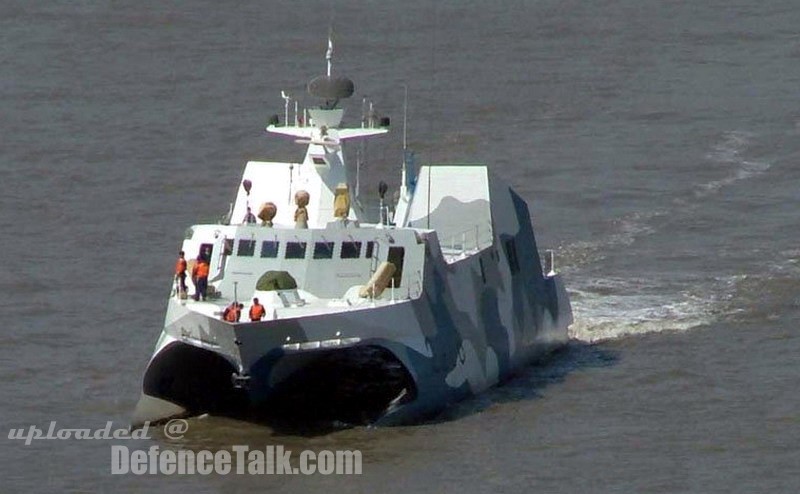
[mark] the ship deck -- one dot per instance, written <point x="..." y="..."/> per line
<point x="307" y="306"/>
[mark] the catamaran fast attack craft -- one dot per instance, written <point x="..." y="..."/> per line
<point x="383" y="322"/>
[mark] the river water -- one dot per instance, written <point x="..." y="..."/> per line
<point x="657" y="144"/>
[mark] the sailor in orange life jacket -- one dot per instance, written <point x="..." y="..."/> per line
<point x="200" y="278"/>
<point x="256" y="311"/>
<point x="180" y="272"/>
<point x="233" y="312"/>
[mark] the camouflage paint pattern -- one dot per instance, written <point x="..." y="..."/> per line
<point x="475" y="321"/>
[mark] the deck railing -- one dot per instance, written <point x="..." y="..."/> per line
<point x="467" y="242"/>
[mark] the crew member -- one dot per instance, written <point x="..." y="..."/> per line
<point x="256" y="311"/>
<point x="180" y="272"/>
<point x="232" y="313"/>
<point x="249" y="218"/>
<point x="239" y="309"/>
<point x="200" y="278"/>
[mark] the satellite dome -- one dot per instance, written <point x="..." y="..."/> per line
<point x="329" y="88"/>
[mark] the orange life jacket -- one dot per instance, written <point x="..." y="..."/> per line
<point x="256" y="312"/>
<point x="201" y="269"/>
<point x="180" y="266"/>
<point x="230" y="314"/>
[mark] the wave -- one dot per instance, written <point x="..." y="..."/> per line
<point x="628" y="228"/>
<point x="608" y="309"/>
<point x="769" y="294"/>
<point x="729" y="152"/>
<point x="625" y="231"/>
<point x="611" y="308"/>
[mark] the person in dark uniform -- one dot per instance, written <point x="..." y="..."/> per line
<point x="249" y="218"/>
<point x="200" y="278"/>
<point x="180" y="272"/>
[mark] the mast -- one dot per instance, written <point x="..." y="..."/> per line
<point x="329" y="54"/>
<point x="403" y="188"/>
<point x="323" y="167"/>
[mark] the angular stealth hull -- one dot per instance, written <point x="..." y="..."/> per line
<point x="475" y="316"/>
<point x="380" y="323"/>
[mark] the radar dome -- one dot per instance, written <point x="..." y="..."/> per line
<point x="328" y="87"/>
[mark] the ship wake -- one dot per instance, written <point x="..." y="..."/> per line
<point x="613" y="307"/>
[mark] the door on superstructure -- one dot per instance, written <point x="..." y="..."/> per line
<point x="396" y="256"/>
<point x="217" y="254"/>
<point x="205" y="251"/>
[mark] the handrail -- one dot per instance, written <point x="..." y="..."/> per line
<point x="470" y="242"/>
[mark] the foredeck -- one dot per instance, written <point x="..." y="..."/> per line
<point x="310" y="306"/>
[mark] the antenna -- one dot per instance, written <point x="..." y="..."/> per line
<point x="403" y="179"/>
<point x="287" y="98"/>
<point x="363" y="112"/>
<point x="358" y="173"/>
<point x="405" y="118"/>
<point x="291" y="169"/>
<point x="329" y="54"/>
<point x="371" y="115"/>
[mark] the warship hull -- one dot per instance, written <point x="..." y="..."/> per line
<point x="385" y="322"/>
<point x="474" y="322"/>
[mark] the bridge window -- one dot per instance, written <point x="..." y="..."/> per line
<point x="269" y="248"/>
<point x="370" y="249"/>
<point x="295" y="250"/>
<point x="323" y="250"/>
<point x="227" y="247"/>
<point x="318" y="160"/>
<point x="350" y="250"/>
<point x="246" y="248"/>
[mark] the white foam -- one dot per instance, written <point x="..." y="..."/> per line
<point x="615" y="308"/>
<point x="786" y="263"/>
<point x="745" y="170"/>
<point x="612" y="308"/>
<point x="731" y="146"/>
<point x="729" y="152"/>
